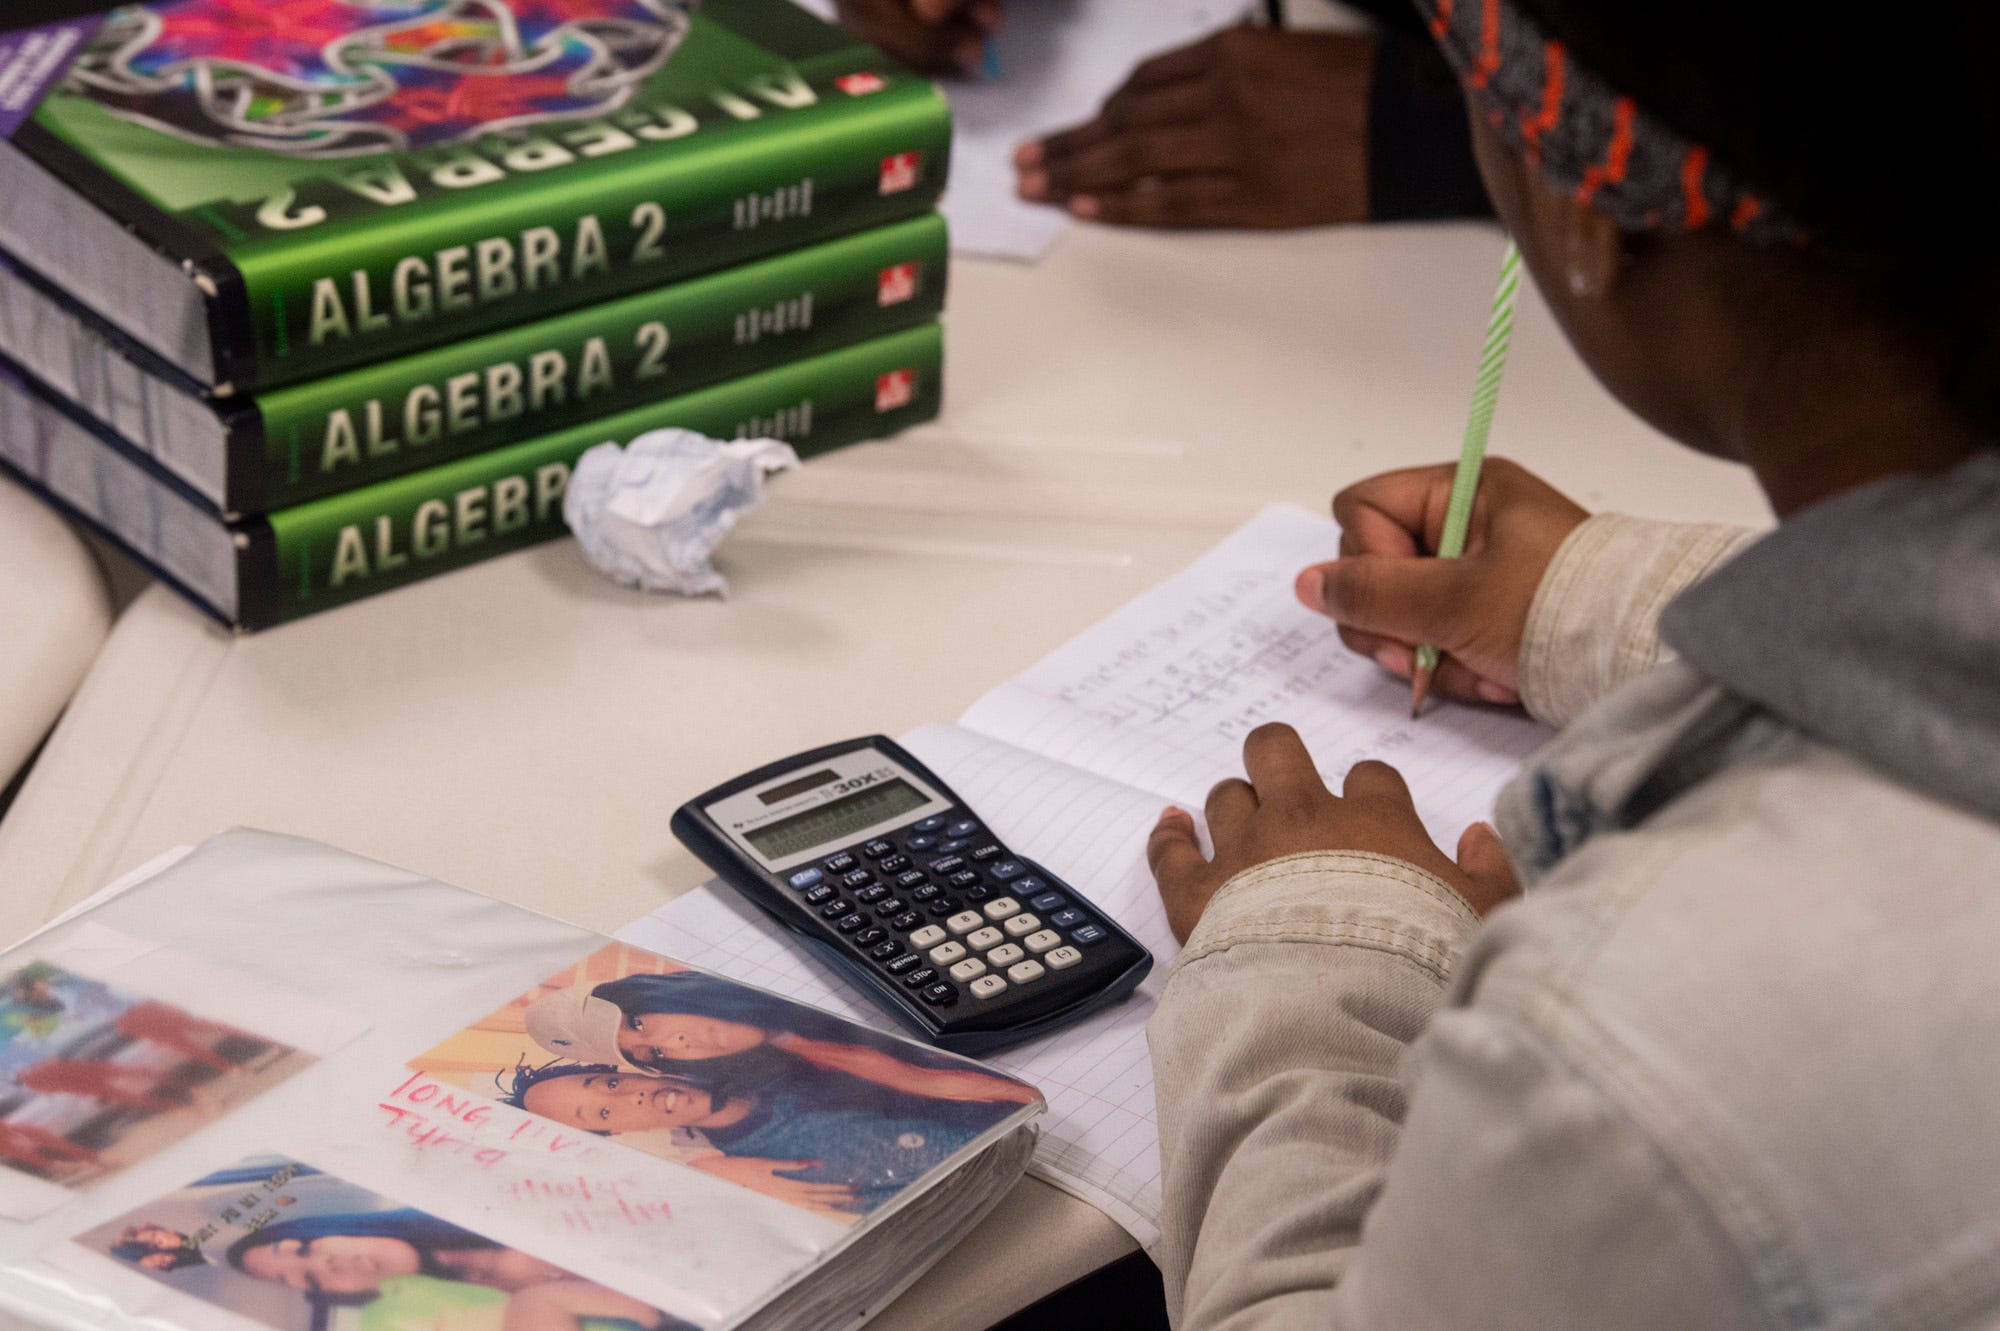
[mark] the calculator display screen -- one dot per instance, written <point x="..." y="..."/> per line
<point x="836" y="820"/>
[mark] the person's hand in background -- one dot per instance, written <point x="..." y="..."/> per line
<point x="930" y="36"/>
<point x="1388" y="597"/>
<point x="1248" y="127"/>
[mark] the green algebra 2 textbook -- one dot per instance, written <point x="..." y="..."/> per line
<point x="267" y="192"/>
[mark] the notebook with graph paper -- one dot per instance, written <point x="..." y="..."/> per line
<point x="1072" y="760"/>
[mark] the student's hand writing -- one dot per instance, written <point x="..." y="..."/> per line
<point x="1388" y="599"/>
<point x="1248" y="127"/>
<point x="1285" y="809"/>
<point x="930" y="36"/>
<point x="769" y="1178"/>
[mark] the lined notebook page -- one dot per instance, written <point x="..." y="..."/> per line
<point x="1071" y="762"/>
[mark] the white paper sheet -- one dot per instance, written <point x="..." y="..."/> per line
<point x="1071" y="762"/>
<point x="1059" y="60"/>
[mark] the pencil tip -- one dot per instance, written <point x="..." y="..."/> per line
<point x="1420" y="688"/>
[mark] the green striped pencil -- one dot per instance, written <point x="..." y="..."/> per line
<point x="1472" y="453"/>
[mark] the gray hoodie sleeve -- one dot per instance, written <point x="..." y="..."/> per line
<point x="1595" y="619"/>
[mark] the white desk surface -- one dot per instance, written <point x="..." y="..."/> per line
<point x="55" y="610"/>
<point x="524" y="727"/>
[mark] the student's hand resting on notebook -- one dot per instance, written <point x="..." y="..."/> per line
<point x="1248" y="127"/>
<point x="930" y="36"/>
<point x="1285" y="809"/>
<point x="1388" y="599"/>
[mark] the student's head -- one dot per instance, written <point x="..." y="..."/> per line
<point x="347" y="1257"/>
<point x="154" y="1236"/>
<point x="1743" y="210"/>
<point x="156" y="1249"/>
<point x="606" y="1100"/>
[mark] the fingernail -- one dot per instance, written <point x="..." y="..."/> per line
<point x="1310" y="588"/>
<point x="1086" y="207"/>
<point x="1028" y="154"/>
<point x="1488" y="691"/>
<point x="1396" y="659"/>
<point x="1035" y="185"/>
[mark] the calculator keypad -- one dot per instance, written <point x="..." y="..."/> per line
<point x="952" y="911"/>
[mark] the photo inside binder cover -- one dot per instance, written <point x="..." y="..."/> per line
<point x="807" y="1109"/>
<point x="280" y="1243"/>
<point x="93" y="1078"/>
<point x="333" y="78"/>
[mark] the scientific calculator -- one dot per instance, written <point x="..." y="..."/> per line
<point x="872" y="860"/>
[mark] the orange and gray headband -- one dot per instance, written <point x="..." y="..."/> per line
<point x="1585" y="137"/>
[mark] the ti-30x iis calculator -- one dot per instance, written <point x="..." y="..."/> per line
<point x="870" y="858"/>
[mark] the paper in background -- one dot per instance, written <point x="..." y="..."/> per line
<point x="1059" y="60"/>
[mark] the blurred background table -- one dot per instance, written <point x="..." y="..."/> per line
<point x="524" y="727"/>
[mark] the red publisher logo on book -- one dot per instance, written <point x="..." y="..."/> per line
<point x="860" y="85"/>
<point x="895" y="389"/>
<point x="897" y="284"/>
<point x="899" y="172"/>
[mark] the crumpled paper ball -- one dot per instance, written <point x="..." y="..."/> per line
<point x="652" y="513"/>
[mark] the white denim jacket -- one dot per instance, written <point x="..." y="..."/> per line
<point x="1733" y="1062"/>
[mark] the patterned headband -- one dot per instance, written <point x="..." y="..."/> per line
<point x="1587" y="138"/>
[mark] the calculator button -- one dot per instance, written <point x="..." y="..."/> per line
<point x="907" y="920"/>
<point x="893" y="864"/>
<point x="848" y="924"/>
<point x="893" y="906"/>
<point x="946" y="953"/>
<point x="871" y="894"/>
<point x="835" y="908"/>
<point x="954" y="845"/>
<point x="931" y="824"/>
<point x="927" y="936"/>
<point x="1023" y="971"/>
<point x="948" y="864"/>
<point x="918" y="844"/>
<point x="884" y="951"/>
<point x="1023" y="923"/>
<point x="963" y="827"/>
<point x="964" y="922"/>
<point x="859" y="878"/>
<point x="1090" y="933"/>
<point x="940" y="994"/>
<point x="969" y="969"/>
<point x="1066" y="918"/>
<point x="870" y="937"/>
<point x="963" y="878"/>
<point x="979" y="893"/>
<point x="926" y="892"/>
<point x="840" y="863"/>
<point x="1007" y="869"/>
<point x="988" y="986"/>
<point x="942" y="908"/>
<point x="1024" y="887"/>
<point x="875" y="850"/>
<point x="904" y="964"/>
<point x="910" y="878"/>
<point x="1005" y="955"/>
<point x="805" y="878"/>
<point x="1042" y="941"/>
<point x="981" y="939"/>
<point x="989" y="851"/>
<point x="820" y="893"/>
<point x="1063" y="958"/>
<point x="917" y="979"/>
<point x="1048" y="901"/>
<point x="1001" y="907"/>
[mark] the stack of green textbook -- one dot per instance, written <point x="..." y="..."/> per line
<point x="306" y="299"/>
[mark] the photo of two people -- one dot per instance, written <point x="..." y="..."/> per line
<point x="819" y="1113"/>
<point x="93" y="1078"/>
<point x="277" y="1241"/>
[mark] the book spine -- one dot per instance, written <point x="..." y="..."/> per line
<point x="380" y="259"/>
<point x="366" y="425"/>
<point x="339" y="549"/>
